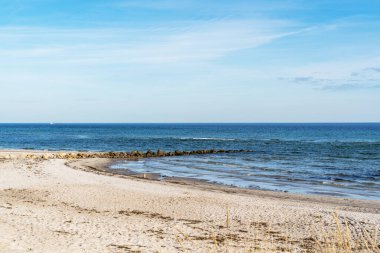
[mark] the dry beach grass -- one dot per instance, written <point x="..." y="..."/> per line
<point x="57" y="205"/>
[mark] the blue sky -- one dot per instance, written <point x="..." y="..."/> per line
<point x="189" y="61"/>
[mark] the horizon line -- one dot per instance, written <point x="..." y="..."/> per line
<point x="283" y="122"/>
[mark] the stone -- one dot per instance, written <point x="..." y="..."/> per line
<point x="160" y="153"/>
<point x="178" y="152"/>
<point x="149" y="153"/>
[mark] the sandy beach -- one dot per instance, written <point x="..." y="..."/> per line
<point x="60" y="205"/>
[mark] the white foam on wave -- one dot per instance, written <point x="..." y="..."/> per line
<point x="82" y="136"/>
<point x="207" y="138"/>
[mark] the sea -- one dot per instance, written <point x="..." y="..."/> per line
<point x="335" y="159"/>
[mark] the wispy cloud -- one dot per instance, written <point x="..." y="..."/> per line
<point x="349" y="86"/>
<point x="198" y="42"/>
<point x="364" y="78"/>
<point x="155" y="4"/>
<point x="252" y="6"/>
<point x="372" y="69"/>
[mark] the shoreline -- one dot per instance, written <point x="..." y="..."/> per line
<point x="100" y="165"/>
<point x="60" y="205"/>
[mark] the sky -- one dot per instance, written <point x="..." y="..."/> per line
<point x="189" y="61"/>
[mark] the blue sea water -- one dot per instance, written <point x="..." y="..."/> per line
<point x="327" y="159"/>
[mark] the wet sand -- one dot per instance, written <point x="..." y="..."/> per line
<point x="58" y="205"/>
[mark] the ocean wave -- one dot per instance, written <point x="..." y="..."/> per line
<point x="317" y="141"/>
<point x="82" y="137"/>
<point x="208" y="139"/>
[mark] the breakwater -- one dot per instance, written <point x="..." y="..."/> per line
<point x="133" y="155"/>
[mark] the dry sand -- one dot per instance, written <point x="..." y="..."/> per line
<point x="66" y="206"/>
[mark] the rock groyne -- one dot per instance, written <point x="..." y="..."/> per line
<point x="133" y="155"/>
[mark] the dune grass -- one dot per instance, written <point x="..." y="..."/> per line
<point x="345" y="237"/>
<point x="348" y="239"/>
